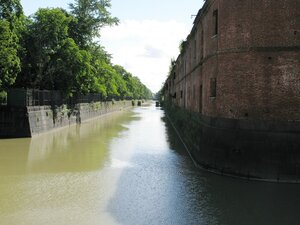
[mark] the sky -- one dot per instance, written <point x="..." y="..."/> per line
<point x="147" y="37"/>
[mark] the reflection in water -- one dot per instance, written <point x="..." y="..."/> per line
<point x="128" y="168"/>
<point x="13" y="156"/>
<point x="78" y="148"/>
<point x="47" y="179"/>
<point x="229" y="201"/>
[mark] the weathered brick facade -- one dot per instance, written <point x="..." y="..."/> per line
<point x="237" y="82"/>
<point x="241" y="61"/>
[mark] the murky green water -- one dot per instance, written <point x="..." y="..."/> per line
<point x="128" y="168"/>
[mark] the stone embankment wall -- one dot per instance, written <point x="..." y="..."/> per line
<point x="259" y="150"/>
<point x="14" y="122"/>
<point x="32" y="120"/>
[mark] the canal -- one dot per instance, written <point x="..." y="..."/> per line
<point x="128" y="168"/>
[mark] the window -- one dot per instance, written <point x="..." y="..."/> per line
<point x="215" y="22"/>
<point x="181" y="94"/>
<point x="213" y="87"/>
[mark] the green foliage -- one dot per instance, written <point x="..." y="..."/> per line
<point x="3" y="97"/>
<point x="172" y="67"/>
<point x="121" y="85"/>
<point x="59" y="54"/>
<point x="9" y="60"/>
<point x="11" y="20"/>
<point x="182" y="46"/>
<point x="106" y="76"/>
<point x="91" y="16"/>
<point x="135" y="87"/>
<point x="69" y="69"/>
<point x="50" y="27"/>
<point x="12" y="11"/>
<point x="46" y="35"/>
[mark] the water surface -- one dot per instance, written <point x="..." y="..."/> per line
<point x="128" y="168"/>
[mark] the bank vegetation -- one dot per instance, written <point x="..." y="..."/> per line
<point x="56" y="49"/>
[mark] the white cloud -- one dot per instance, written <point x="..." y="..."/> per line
<point x="145" y="47"/>
<point x="152" y="52"/>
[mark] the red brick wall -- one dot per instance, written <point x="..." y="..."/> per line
<point x="255" y="58"/>
<point x="253" y="85"/>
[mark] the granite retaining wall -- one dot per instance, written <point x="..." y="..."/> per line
<point x="32" y="120"/>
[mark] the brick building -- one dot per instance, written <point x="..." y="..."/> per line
<point x="241" y="60"/>
<point x="241" y="63"/>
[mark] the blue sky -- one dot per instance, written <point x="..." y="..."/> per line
<point x="147" y="37"/>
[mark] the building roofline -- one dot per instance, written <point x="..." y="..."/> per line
<point x="201" y="12"/>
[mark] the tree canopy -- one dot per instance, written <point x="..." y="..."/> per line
<point x="91" y="16"/>
<point x="55" y="50"/>
<point x="11" y="10"/>
<point x="9" y="60"/>
<point x="11" y="15"/>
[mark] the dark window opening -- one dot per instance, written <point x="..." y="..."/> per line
<point x="215" y="19"/>
<point x="213" y="87"/>
<point x="174" y="76"/>
<point x="181" y="94"/>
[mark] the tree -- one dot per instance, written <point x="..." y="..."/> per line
<point x="60" y="54"/>
<point x="69" y="70"/>
<point x="120" y="70"/>
<point x="129" y="84"/>
<point x="45" y="35"/>
<point x="12" y="11"/>
<point x="11" y="15"/>
<point x="99" y="58"/>
<point x="91" y="15"/>
<point x="9" y="60"/>
<point x="121" y="85"/>
<point x="105" y="75"/>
